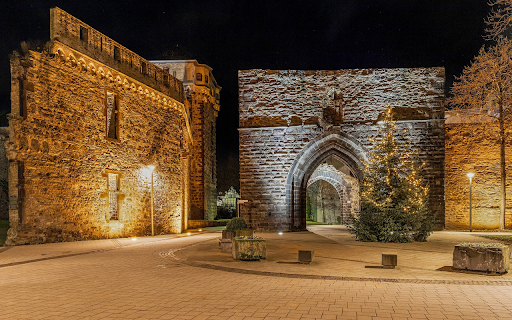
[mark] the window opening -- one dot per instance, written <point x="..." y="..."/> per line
<point x="113" y="196"/>
<point x="206" y="78"/>
<point x="101" y="43"/>
<point x="117" y="53"/>
<point x="112" y="114"/>
<point x="143" y="67"/>
<point x="199" y="77"/>
<point x="84" y="34"/>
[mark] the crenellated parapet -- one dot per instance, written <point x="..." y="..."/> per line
<point x="74" y="33"/>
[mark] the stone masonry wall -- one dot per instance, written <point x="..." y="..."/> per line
<point x="474" y="147"/>
<point x="204" y="168"/>
<point x="282" y="113"/>
<point x="197" y="170"/>
<point x="61" y="162"/>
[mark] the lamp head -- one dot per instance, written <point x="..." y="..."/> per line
<point x="151" y="168"/>
<point x="470" y="175"/>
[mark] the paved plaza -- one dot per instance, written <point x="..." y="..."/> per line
<point x="188" y="277"/>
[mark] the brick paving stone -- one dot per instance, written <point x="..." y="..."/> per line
<point x="84" y="286"/>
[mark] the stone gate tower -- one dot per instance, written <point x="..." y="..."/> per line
<point x="202" y="93"/>
<point x="298" y="127"/>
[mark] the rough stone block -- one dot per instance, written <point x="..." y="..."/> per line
<point x="225" y="245"/>
<point x="482" y="257"/>
<point x="249" y="249"/>
<point x="306" y="256"/>
<point x="389" y="260"/>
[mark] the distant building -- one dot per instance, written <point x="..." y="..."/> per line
<point x="228" y="201"/>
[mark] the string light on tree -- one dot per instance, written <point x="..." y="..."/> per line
<point x="394" y="197"/>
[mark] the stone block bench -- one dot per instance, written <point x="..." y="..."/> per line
<point x="487" y="257"/>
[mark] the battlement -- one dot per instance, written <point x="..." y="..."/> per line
<point x="78" y="35"/>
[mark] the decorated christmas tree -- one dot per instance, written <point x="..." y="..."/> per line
<point x="394" y="197"/>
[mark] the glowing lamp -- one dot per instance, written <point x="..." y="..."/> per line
<point x="470" y="176"/>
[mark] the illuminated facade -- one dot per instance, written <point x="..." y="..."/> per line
<point x="202" y="94"/>
<point x="472" y="145"/>
<point x="292" y="122"/>
<point x="88" y="118"/>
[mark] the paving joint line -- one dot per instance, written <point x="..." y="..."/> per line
<point x="171" y="254"/>
<point x="83" y="253"/>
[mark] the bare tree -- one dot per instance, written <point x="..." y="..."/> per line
<point x="485" y="90"/>
<point x="499" y="20"/>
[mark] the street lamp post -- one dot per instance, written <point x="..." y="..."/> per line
<point x="470" y="176"/>
<point x="152" y="168"/>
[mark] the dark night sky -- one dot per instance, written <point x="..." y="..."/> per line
<point x="236" y="34"/>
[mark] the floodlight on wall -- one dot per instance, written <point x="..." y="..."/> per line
<point x="470" y="176"/>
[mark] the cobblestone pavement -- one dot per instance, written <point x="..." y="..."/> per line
<point x="145" y="281"/>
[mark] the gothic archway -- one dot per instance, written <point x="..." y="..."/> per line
<point x="332" y="143"/>
<point x="322" y="205"/>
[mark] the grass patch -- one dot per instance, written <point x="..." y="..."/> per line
<point x="219" y="228"/>
<point x="502" y="238"/>
<point x="315" y="223"/>
<point x="4" y="226"/>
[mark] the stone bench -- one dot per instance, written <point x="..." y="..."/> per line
<point x="487" y="257"/>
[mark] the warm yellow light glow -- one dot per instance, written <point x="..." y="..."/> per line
<point x="134" y="239"/>
<point x="189" y="234"/>
<point x="280" y="233"/>
<point x="200" y="230"/>
<point x="471" y="175"/>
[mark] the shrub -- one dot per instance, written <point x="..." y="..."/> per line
<point x="236" y="224"/>
<point x="225" y="213"/>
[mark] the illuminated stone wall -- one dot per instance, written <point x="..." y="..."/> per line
<point x="71" y="178"/>
<point x="204" y="161"/>
<point x="474" y="147"/>
<point x="202" y="93"/>
<point x="290" y="120"/>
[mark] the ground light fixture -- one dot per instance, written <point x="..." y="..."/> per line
<point x="134" y="238"/>
<point x="470" y="176"/>
<point x="151" y="169"/>
<point x="280" y="233"/>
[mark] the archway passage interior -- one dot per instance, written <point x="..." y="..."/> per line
<point x="332" y="192"/>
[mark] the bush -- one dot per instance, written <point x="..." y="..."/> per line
<point x="236" y="224"/>
<point x="225" y="213"/>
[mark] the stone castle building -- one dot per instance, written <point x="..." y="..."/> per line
<point x="301" y="128"/>
<point x="88" y="119"/>
<point x="202" y="93"/>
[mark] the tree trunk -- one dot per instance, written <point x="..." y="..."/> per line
<point x="502" y="167"/>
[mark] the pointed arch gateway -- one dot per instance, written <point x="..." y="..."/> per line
<point x="329" y="144"/>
